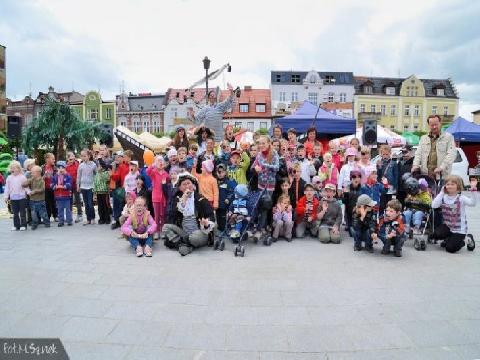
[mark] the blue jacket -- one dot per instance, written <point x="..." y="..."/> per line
<point x="148" y="181"/>
<point x="226" y="189"/>
<point x="389" y="169"/>
<point x="375" y="191"/>
<point x="170" y="191"/>
<point x="64" y="193"/>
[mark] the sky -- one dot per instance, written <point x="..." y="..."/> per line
<point x="150" y="46"/>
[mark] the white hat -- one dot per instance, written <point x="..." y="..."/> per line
<point x="172" y="152"/>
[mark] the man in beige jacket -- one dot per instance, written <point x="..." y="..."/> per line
<point x="436" y="151"/>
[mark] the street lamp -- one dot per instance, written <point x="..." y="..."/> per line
<point x="206" y="66"/>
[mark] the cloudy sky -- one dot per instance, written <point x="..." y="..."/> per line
<point x="153" y="45"/>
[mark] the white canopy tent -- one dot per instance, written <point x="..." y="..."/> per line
<point x="384" y="136"/>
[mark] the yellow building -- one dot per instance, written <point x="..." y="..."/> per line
<point x="3" y="83"/>
<point x="476" y="116"/>
<point x="404" y="104"/>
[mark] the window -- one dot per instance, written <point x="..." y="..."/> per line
<point x="108" y="113"/>
<point x="343" y="97"/>
<point x="244" y="108"/>
<point x="156" y="126"/>
<point x="362" y="108"/>
<point x="263" y="125"/>
<point x="373" y="108"/>
<point x="392" y="127"/>
<point x="250" y="126"/>
<point x="174" y="112"/>
<point x="405" y="126"/>
<point x="434" y="109"/>
<point x="407" y="110"/>
<point x="260" y="108"/>
<point x="416" y="111"/>
<point x="123" y="123"/>
<point x="312" y="97"/>
<point x="445" y="110"/>
<point x="136" y="126"/>
<point x="383" y="109"/>
<point x="415" y="127"/>
<point x="294" y="96"/>
<point x="331" y="96"/>
<point x="93" y="114"/>
<point x="295" y="78"/>
<point x="238" y="124"/>
<point x="390" y="90"/>
<point x="440" y="92"/>
<point x="283" y="96"/>
<point x="393" y="110"/>
<point x="278" y="78"/>
<point x="368" y="89"/>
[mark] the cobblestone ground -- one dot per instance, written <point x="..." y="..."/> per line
<point x="299" y="300"/>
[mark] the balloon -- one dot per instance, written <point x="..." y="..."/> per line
<point x="148" y="157"/>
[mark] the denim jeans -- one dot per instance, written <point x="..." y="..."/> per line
<point x="19" y="213"/>
<point x="359" y="236"/>
<point x="87" y="195"/>
<point x="39" y="212"/>
<point x="77" y="201"/>
<point x="134" y="242"/>
<point x="64" y="210"/>
<point x="417" y="217"/>
<point x="118" y="205"/>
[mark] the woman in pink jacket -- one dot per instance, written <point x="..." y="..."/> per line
<point x="159" y="176"/>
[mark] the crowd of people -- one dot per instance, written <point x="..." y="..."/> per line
<point x="199" y="188"/>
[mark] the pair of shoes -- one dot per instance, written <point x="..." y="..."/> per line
<point x="398" y="253"/>
<point x="385" y="252"/>
<point x="148" y="251"/>
<point x="139" y="251"/>
<point x="60" y="224"/>
<point x="357" y="248"/>
<point x="14" y="228"/>
<point x="369" y="249"/>
<point x="23" y="228"/>
<point x="69" y="224"/>
<point x="184" y="250"/>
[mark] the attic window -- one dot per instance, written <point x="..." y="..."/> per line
<point x="390" y="90"/>
<point x="329" y="79"/>
<point x="440" y="92"/>
<point x="295" y="78"/>
<point x="278" y="78"/>
<point x="367" y="89"/>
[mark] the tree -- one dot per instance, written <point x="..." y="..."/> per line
<point x="59" y="127"/>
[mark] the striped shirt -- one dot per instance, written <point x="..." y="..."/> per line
<point x="212" y="116"/>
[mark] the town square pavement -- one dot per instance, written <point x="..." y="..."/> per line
<point x="298" y="300"/>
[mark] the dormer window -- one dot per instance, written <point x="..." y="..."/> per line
<point x="390" y="90"/>
<point x="295" y="78"/>
<point x="440" y="92"/>
<point x="278" y="78"/>
<point x="367" y="89"/>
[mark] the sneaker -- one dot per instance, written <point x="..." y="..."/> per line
<point x="398" y="253"/>
<point x="60" y="224"/>
<point x="148" y="251"/>
<point x="23" y="228"/>
<point x="139" y="251"/>
<point x="13" y="228"/>
<point x="357" y="248"/>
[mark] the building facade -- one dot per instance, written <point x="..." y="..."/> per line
<point x="142" y="112"/>
<point x="94" y="108"/>
<point x="404" y="104"/>
<point x="333" y="91"/>
<point x="476" y="116"/>
<point x="3" y="89"/>
<point x="181" y="105"/>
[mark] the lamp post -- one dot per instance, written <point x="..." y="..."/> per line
<point x="206" y="66"/>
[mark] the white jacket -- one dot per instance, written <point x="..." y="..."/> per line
<point x="446" y="153"/>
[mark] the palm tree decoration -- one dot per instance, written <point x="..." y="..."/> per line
<point x="59" y="127"/>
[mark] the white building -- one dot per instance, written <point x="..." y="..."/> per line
<point x="334" y="91"/>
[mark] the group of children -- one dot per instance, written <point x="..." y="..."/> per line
<point x="303" y="189"/>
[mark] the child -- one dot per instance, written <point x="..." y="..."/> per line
<point x="306" y="213"/>
<point x="328" y="171"/>
<point x="317" y="185"/>
<point x="130" y="182"/>
<point x="139" y="228"/>
<point x="452" y="203"/>
<point x="159" y="177"/>
<point x="225" y="153"/>
<point x="28" y="165"/>
<point x="48" y="170"/>
<point x="391" y="229"/>
<point x="387" y="168"/>
<point x="169" y="191"/>
<point x="37" y="198"/>
<point x="85" y="175"/>
<point x="17" y="195"/>
<point x="207" y="184"/>
<point x="100" y="188"/>
<point x="350" y="196"/>
<point x="292" y="137"/>
<point x="182" y="158"/>
<point x="130" y="198"/>
<point x="120" y="169"/>
<point x="172" y="160"/>
<point x="226" y="189"/>
<point x="72" y="170"/>
<point x="282" y="219"/>
<point x="62" y="189"/>
<point x="297" y="188"/>
<point x="239" y="164"/>
<point x="192" y="155"/>
<point x="372" y="187"/>
<point x="141" y="190"/>
<point x="238" y="212"/>
<point x="306" y="166"/>
<point x="350" y="165"/>
<point x="2" y="182"/>
<point x="363" y="223"/>
<point x="330" y="216"/>
<point x="417" y="202"/>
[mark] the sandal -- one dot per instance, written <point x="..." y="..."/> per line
<point x="148" y="251"/>
<point x="139" y="251"/>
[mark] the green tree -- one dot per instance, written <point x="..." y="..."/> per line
<point x="59" y="127"/>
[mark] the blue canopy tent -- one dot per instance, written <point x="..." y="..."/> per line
<point x="325" y="122"/>
<point x="464" y="130"/>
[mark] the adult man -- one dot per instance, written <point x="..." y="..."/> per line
<point x="195" y="219"/>
<point x="211" y="115"/>
<point x="436" y="150"/>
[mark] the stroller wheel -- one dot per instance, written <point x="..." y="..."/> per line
<point x="470" y="242"/>
<point x="242" y="251"/>
<point x="221" y="246"/>
<point x="416" y="244"/>
<point x="236" y="251"/>
<point x="430" y="239"/>
<point x="267" y="241"/>
<point x="423" y="245"/>
<point x="215" y="244"/>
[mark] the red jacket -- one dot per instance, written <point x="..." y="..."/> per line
<point x="119" y="175"/>
<point x="301" y="208"/>
<point x="72" y="169"/>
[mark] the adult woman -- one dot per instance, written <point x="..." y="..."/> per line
<point x="266" y="166"/>
<point x="355" y="143"/>
<point x="311" y="141"/>
<point x="277" y="132"/>
<point x="180" y="139"/>
<point x="202" y="134"/>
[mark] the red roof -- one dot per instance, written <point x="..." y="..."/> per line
<point x="337" y="106"/>
<point x="180" y="94"/>
<point x="252" y="97"/>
